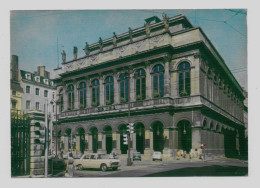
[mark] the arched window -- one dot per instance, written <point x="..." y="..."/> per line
<point x="82" y="95"/>
<point x="123" y="81"/>
<point x="70" y="91"/>
<point x="184" y="79"/>
<point x="109" y="90"/>
<point x="158" y="81"/>
<point x="61" y="99"/>
<point x="140" y="84"/>
<point x="95" y="92"/>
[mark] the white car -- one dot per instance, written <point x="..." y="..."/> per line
<point x="157" y="156"/>
<point x="98" y="161"/>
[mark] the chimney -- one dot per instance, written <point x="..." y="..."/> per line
<point x="41" y="71"/>
<point x="14" y="67"/>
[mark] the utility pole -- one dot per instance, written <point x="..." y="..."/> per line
<point x="46" y="139"/>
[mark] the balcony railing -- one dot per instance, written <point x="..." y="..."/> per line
<point x="118" y="107"/>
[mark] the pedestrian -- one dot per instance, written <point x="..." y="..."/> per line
<point x="70" y="166"/>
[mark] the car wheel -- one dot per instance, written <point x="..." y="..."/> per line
<point x="114" y="168"/>
<point x="80" y="167"/>
<point x="103" y="167"/>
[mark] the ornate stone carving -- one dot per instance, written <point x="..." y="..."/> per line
<point x="93" y="59"/>
<point x="68" y="67"/>
<point x="138" y="45"/>
<point x="121" y="50"/>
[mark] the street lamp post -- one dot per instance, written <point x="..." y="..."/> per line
<point x="56" y="127"/>
<point x="129" y="160"/>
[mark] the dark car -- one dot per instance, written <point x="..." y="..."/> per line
<point x="137" y="156"/>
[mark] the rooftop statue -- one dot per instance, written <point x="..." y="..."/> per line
<point x="63" y="55"/>
<point x="86" y="49"/>
<point x="130" y="31"/>
<point x="166" y="21"/>
<point x="115" y="39"/>
<point x="75" y="52"/>
<point x="100" y="44"/>
<point x="147" y="29"/>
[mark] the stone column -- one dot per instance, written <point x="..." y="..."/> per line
<point x="167" y="152"/>
<point x="132" y="87"/>
<point x="196" y="137"/>
<point x="86" y="143"/>
<point x="116" y="90"/>
<point x="102" y="92"/>
<point x="221" y="144"/>
<point x="37" y="149"/>
<point x="66" y="144"/>
<point x="65" y="99"/>
<point x="134" y="141"/>
<point x="76" y="97"/>
<point x="173" y="141"/>
<point x="115" y="144"/>
<point x="148" y="143"/>
<point x="166" y="79"/>
<point x="148" y="83"/>
<point x="104" y="141"/>
<point x="90" y="143"/>
<point x="118" y="143"/>
<point x="100" y="144"/>
<point x="77" y="143"/>
<point x="89" y="92"/>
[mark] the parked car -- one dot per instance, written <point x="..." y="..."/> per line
<point x="67" y="155"/>
<point x="98" y="161"/>
<point x="157" y="156"/>
<point x="137" y="156"/>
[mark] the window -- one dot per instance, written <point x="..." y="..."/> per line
<point x="14" y="93"/>
<point x="45" y="93"/>
<point x="158" y="81"/>
<point x="140" y="84"/>
<point x="28" y="89"/>
<point x="28" y="76"/>
<point x="53" y="110"/>
<point x="61" y="100"/>
<point x="28" y="105"/>
<point x="53" y="95"/>
<point x="184" y="79"/>
<point x="82" y="95"/>
<point x="37" y="91"/>
<point x="95" y="92"/>
<point x="46" y="81"/>
<point x="70" y="91"/>
<point x="37" y="106"/>
<point x="13" y="104"/>
<point x="37" y="78"/>
<point x="109" y="90"/>
<point x="123" y="81"/>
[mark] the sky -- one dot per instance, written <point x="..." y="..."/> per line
<point x="38" y="37"/>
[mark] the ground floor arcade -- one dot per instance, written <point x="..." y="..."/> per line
<point x="160" y="132"/>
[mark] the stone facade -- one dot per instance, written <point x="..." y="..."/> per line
<point x="190" y="96"/>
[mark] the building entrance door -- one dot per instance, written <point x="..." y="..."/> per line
<point x="108" y="133"/>
<point x="140" y="138"/>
